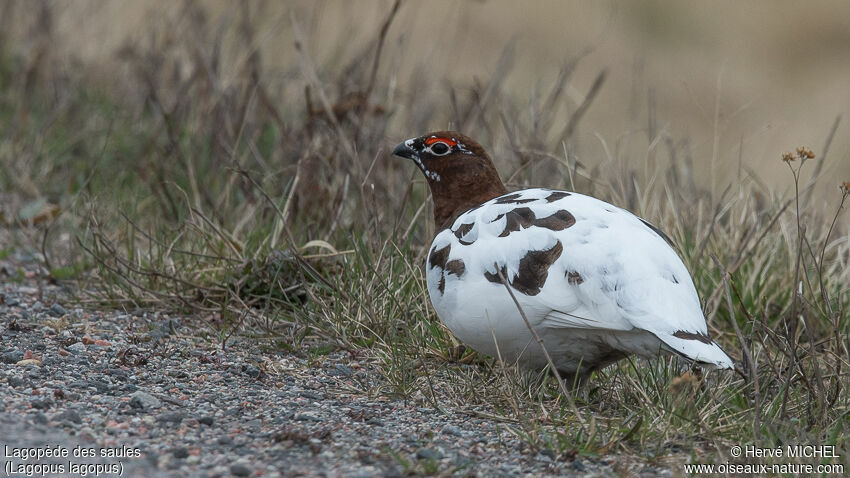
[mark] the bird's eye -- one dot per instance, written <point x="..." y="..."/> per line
<point x="439" y="148"/>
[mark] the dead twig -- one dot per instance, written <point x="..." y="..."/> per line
<point x="567" y="395"/>
<point x="569" y="130"/>
<point x="381" y="37"/>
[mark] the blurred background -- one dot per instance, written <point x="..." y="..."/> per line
<point x="747" y="80"/>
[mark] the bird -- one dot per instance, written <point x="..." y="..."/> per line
<point x="595" y="282"/>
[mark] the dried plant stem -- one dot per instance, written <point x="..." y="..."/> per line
<point x="381" y="37"/>
<point x="569" y="130"/>
<point x="751" y="366"/>
<point x="567" y="395"/>
<point x="310" y="71"/>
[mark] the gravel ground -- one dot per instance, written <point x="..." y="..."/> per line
<point x="148" y="398"/>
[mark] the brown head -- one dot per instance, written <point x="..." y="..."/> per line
<point x="459" y="172"/>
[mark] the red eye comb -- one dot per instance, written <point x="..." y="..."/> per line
<point x="434" y="139"/>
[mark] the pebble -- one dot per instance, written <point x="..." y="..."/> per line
<point x="39" y="418"/>
<point x="343" y="370"/>
<point x="428" y="454"/>
<point x="251" y="371"/>
<point x="548" y="453"/>
<point x="69" y="415"/>
<point x="311" y="395"/>
<point x="170" y="417"/>
<point x="12" y="357"/>
<point x="145" y="401"/>
<point x="40" y="404"/>
<point x="308" y="417"/>
<point x="57" y="310"/>
<point x="180" y="452"/>
<point x="206" y="420"/>
<point x="240" y="469"/>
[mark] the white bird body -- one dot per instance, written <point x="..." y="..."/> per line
<point x="615" y="286"/>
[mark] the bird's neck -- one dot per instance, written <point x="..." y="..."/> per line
<point x="451" y="199"/>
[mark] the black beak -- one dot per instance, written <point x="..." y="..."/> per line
<point x="405" y="151"/>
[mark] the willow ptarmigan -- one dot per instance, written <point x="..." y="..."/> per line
<point x="596" y="282"/>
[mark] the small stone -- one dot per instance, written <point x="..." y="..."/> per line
<point x="57" y="310"/>
<point x="578" y="465"/>
<point x="87" y="434"/>
<point x="375" y="421"/>
<point x="207" y="420"/>
<point x="234" y="369"/>
<point x="100" y="386"/>
<point x="164" y="328"/>
<point x="39" y="418"/>
<point x="117" y="373"/>
<point x="12" y="302"/>
<point x="16" y="382"/>
<point x="180" y="452"/>
<point x="170" y="417"/>
<point x="145" y="401"/>
<point x="303" y="417"/>
<point x="547" y="453"/>
<point x="251" y="371"/>
<point x="344" y="370"/>
<point x="366" y="472"/>
<point x="311" y="395"/>
<point x="451" y="430"/>
<point x="428" y="454"/>
<point x="12" y="357"/>
<point x="69" y="415"/>
<point x="240" y="469"/>
<point x="40" y="404"/>
<point x="76" y="348"/>
<point x="254" y="425"/>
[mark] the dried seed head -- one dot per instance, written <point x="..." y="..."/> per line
<point x="685" y="382"/>
<point x="845" y="187"/>
<point x="805" y="153"/>
<point x="788" y="157"/>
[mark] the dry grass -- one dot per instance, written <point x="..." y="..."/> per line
<point x="275" y="211"/>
